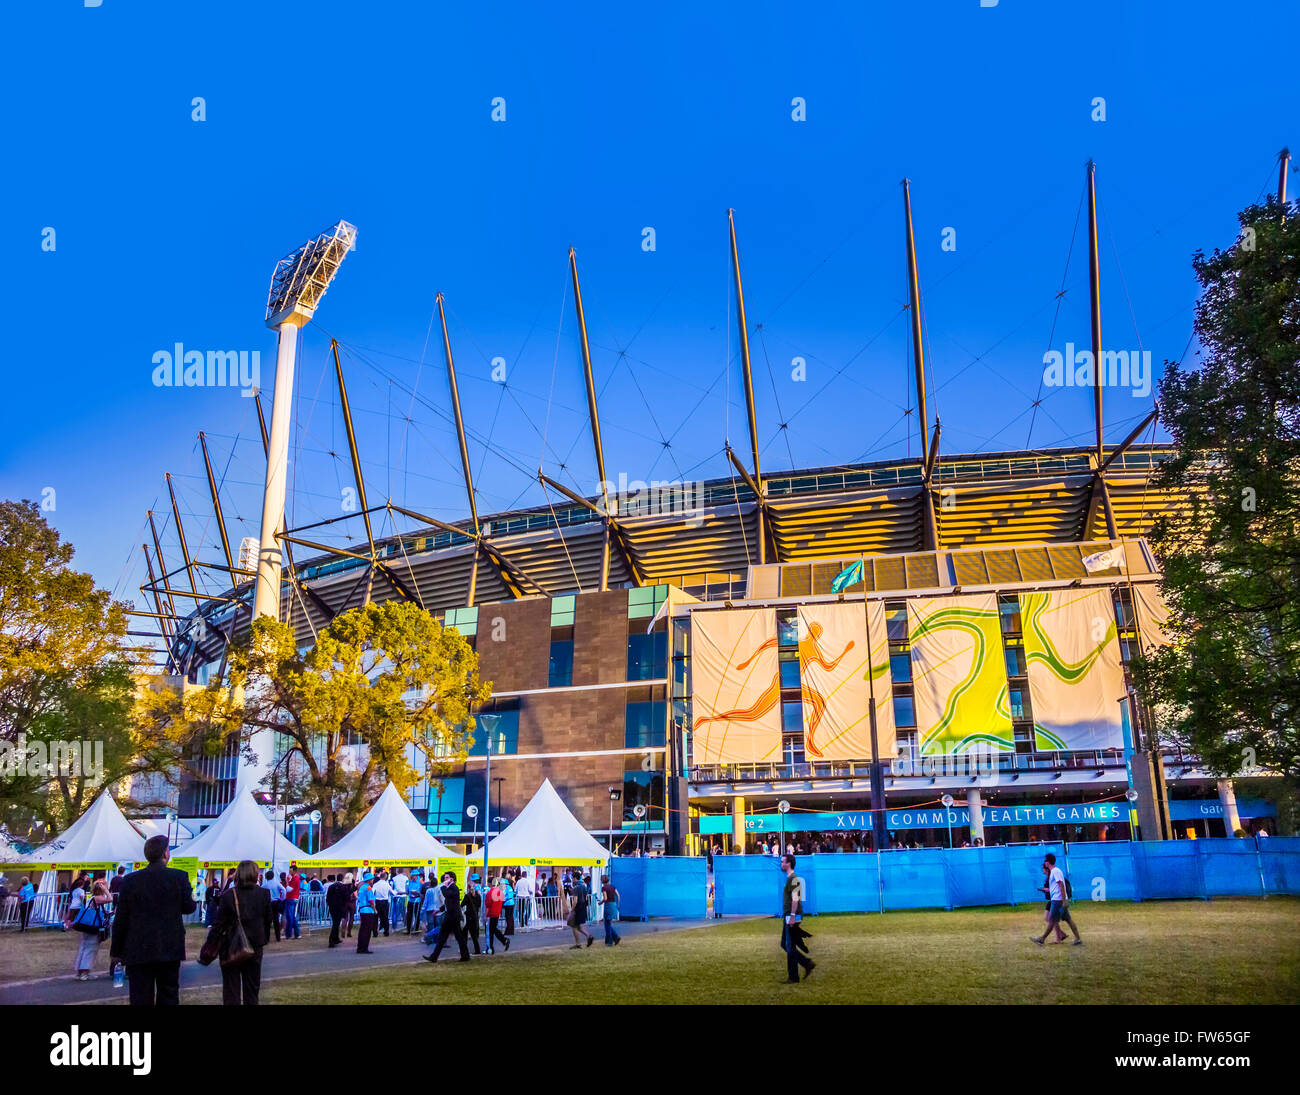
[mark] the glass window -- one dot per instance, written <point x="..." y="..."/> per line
<point x="560" y="674"/>
<point x="644" y="601"/>
<point x="562" y="609"/>
<point x="896" y="623"/>
<point x="1124" y="612"/>
<point x="789" y="671"/>
<point x="505" y="739"/>
<point x="646" y="724"/>
<point x="904" y="713"/>
<point x="1015" y="661"/>
<point x="1009" y="608"/>
<point x="787" y="630"/>
<point x="464" y="620"/>
<point x="447" y="810"/>
<point x="643" y="789"/>
<point x="900" y="667"/>
<point x="1017" y="703"/>
<point x="647" y="656"/>
<point x="792" y="749"/>
<point x="792" y="718"/>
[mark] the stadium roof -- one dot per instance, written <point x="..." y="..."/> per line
<point x="706" y="536"/>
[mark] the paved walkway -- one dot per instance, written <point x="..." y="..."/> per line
<point x="316" y="957"/>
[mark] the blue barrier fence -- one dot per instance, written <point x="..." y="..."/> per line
<point x="660" y="886"/>
<point x="953" y="878"/>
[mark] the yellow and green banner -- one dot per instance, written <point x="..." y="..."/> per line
<point x="737" y="686"/>
<point x="959" y="674"/>
<point x="1075" y="677"/>
<point x="843" y="663"/>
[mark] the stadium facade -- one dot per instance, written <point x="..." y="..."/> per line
<point x="596" y="689"/>
<point x="909" y="651"/>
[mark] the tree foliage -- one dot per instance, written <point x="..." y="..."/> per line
<point x="380" y="682"/>
<point x="67" y="675"/>
<point x="1229" y="685"/>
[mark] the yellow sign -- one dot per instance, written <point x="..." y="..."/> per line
<point x="371" y="864"/>
<point x="457" y="867"/>
<point x="514" y="861"/>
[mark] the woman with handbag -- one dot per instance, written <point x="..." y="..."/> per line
<point x="88" y="916"/>
<point x="243" y="927"/>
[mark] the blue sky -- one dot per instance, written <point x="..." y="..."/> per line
<point x="167" y="230"/>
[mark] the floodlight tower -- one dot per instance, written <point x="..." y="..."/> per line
<point x="299" y="282"/>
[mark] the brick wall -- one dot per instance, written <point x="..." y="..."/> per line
<point x="556" y="720"/>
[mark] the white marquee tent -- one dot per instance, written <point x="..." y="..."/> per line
<point x="546" y="833"/>
<point x="243" y="831"/>
<point x="100" y="835"/>
<point x="9" y="852"/>
<point x="388" y="833"/>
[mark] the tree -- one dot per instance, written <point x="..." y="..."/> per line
<point x="383" y="676"/>
<point x="1228" y="686"/>
<point x="67" y="681"/>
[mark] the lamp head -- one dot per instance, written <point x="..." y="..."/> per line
<point x="303" y="275"/>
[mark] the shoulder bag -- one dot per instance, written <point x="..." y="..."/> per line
<point x="237" y="951"/>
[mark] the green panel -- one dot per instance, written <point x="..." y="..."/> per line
<point x="562" y="610"/>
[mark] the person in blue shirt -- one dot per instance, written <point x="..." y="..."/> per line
<point x="275" y="888"/>
<point x="508" y="889"/>
<point x="368" y="912"/>
<point x="414" y="900"/>
<point x="26" y="895"/>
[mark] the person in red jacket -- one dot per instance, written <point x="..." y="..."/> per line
<point x="496" y="899"/>
<point x="292" y="892"/>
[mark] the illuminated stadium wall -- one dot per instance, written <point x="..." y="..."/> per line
<point x="707" y="686"/>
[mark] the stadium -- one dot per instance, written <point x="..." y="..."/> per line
<point x="610" y="622"/>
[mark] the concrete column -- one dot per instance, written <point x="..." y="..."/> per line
<point x="975" y="805"/>
<point x="738" y="833"/>
<point x="269" y="573"/>
<point x="1228" y="797"/>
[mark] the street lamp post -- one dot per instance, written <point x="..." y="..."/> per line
<point x="783" y="808"/>
<point x="472" y="810"/>
<point x="615" y="794"/>
<point x="947" y="813"/>
<point x="275" y="798"/>
<point x="490" y="722"/>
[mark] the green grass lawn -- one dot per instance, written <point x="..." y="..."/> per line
<point x="1193" y="952"/>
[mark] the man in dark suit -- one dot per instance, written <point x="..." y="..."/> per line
<point x="148" y="932"/>
<point x="453" y="921"/>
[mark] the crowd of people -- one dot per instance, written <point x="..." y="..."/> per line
<point x="143" y="915"/>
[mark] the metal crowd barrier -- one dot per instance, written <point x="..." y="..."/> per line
<point x="48" y="910"/>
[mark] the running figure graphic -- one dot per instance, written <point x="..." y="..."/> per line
<point x="809" y="652"/>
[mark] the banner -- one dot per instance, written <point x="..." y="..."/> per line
<point x="1073" y="659"/>
<point x="882" y="680"/>
<point x="836" y="678"/>
<point x="737" y="686"/>
<point x="959" y="674"/>
<point x="1152" y="616"/>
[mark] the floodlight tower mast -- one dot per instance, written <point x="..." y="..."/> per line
<point x="299" y="282"/>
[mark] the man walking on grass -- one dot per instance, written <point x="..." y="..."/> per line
<point x="1058" y="892"/>
<point x="792" y="934"/>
